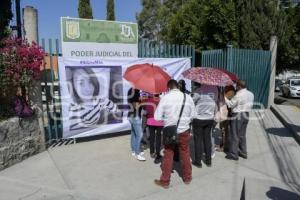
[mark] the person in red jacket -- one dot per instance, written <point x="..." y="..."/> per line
<point x="155" y="127"/>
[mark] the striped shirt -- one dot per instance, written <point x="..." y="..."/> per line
<point x="85" y="115"/>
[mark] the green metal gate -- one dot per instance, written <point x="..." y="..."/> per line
<point x="253" y="66"/>
<point x="50" y="83"/>
<point x="154" y="49"/>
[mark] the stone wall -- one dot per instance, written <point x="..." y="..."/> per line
<point x="19" y="139"/>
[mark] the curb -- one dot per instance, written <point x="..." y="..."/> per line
<point x="286" y="122"/>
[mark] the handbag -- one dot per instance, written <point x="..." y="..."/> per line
<point x="170" y="132"/>
<point x="22" y="109"/>
<point x="222" y="114"/>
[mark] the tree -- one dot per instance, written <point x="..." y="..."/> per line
<point x="167" y="9"/>
<point x="258" y="20"/>
<point x="155" y="16"/>
<point x="5" y="16"/>
<point x="110" y="10"/>
<point x="289" y="41"/>
<point x="85" y="9"/>
<point x="148" y="19"/>
<point x="215" y="23"/>
<point x="205" y="24"/>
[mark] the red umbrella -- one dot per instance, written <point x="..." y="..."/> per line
<point x="147" y="77"/>
<point x="208" y="76"/>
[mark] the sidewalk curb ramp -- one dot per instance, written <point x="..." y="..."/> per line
<point x="286" y="122"/>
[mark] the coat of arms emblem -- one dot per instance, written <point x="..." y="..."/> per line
<point x="72" y="29"/>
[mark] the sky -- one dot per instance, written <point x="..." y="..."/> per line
<point x="50" y="11"/>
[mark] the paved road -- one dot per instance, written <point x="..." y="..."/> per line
<point x="279" y="99"/>
<point x="105" y="170"/>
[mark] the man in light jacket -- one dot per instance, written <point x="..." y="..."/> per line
<point x="241" y="104"/>
<point x="168" y="110"/>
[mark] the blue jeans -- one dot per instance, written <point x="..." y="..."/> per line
<point x="136" y="134"/>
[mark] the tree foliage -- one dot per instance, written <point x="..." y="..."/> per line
<point x="5" y="16"/>
<point x="289" y="43"/>
<point x="20" y="62"/>
<point x="205" y="24"/>
<point x="154" y="19"/>
<point x="85" y="9"/>
<point x="110" y="10"/>
<point x="148" y="19"/>
<point x="258" y="20"/>
<point x="216" y="23"/>
<point x="165" y="12"/>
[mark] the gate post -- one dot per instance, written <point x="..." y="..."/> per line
<point x="273" y="49"/>
<point x="229" y="58"/>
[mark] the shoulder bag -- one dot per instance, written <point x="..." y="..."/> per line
<point x="170" y="132"/>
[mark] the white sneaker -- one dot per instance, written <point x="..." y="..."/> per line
<point x="140" y="157"/>
<point x="142" y="153"/>
<point x="133" y="154"/>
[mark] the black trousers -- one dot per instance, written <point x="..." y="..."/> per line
<point x="202" y="139"/>
<point x="237" y="134"/>
<point x="225" y="128"/>
<point x="155" y="139"/>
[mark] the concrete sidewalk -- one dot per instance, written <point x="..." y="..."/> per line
<point x="290" y="116"/>
<point x="105" y="170"/>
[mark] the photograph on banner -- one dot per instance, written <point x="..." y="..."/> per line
<point x="91" y="101"/>
<point x="94" y="93"/>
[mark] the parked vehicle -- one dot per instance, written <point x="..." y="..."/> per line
<point x="291" y="88"/>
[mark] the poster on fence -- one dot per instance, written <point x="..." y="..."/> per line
<point x="94" y="93"/>
<point x="91" y="38"/>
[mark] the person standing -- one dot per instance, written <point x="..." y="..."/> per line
<point x="145" y="137"/>
<point x="229" y="92"/>
<point x="134" y="117"/>
<point x="241" y="104"/>
<point x="205" y="98"/>
<point x="182" y="86"/>
<point x="169" y="110"/>
<point x="155" y="127"/>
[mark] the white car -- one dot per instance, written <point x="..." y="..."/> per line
<point x="291" y="88"/>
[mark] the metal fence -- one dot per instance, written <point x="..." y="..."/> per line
<point x="253" y="66"/>
<point x="154" y="49"/>
<point x="50" y="85"/>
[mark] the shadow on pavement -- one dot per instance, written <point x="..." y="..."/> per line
<point x="295" y="127"/>
<point x="279" y="132"/>
<point x="276" y="193"/>
<point x="279" y="101"/>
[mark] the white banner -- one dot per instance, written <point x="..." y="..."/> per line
<point x="94" y="93"/>
<point x="93" y="50"/>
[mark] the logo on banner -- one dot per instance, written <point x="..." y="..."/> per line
<point x="72" y="29"/>
<point x="127" y="31"/>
